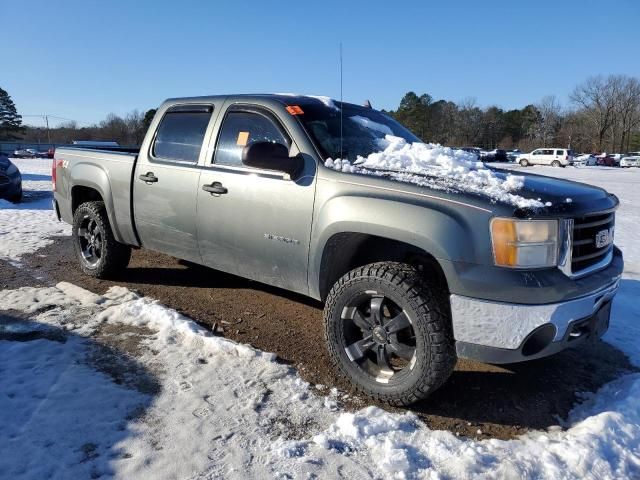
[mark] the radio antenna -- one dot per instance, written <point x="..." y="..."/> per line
<point x="341" y="152"/>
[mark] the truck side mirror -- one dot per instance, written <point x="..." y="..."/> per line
<point x="271" y="156"/>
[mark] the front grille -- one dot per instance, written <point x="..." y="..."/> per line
<point x="585" y="252"/>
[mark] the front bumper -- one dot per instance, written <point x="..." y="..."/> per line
<point x="499" y="332"/>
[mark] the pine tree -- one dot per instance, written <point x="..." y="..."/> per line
<point x="10" y="121"/>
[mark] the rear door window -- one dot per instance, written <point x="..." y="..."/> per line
<point x="242" y="128"/>
<point x="180" y="135"/>
<point x="559" y="152"/>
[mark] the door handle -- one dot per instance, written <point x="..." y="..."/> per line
<point x="215" y="188"/>
<point x="148" y="177"/>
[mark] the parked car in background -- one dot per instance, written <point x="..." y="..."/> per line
<point x="616" y="157"/>
<point x="512" y="155"/>
<point x="23" y="153"/>
<point x="495" y="155"/>
<point x="556" y="157"/>
<point x="10" y="180"/>
<point x="38" y="153"/>
<point x="581" y="159"/>
<point x="631" y="159"/>
<point x="607" y="161"/>
<point x="592" y="161"/>
<point x="474" y="150"/>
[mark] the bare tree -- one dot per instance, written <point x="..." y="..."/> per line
<point x="469" y="122"/>
<point x="628" y="111"/>
<point x="548" y="120"/>
<point x="597" y="97"/>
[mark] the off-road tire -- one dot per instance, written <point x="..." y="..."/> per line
<point x="524" y="162"/>
<point x="114" y="256"/>
<point x="424" y="300"/>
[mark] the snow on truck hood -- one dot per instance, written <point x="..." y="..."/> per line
<point x="441" y="168"/>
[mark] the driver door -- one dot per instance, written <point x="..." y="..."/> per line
<point x="257" y="222"/>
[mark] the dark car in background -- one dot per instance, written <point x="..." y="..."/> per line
<point x="10" y="180"/>
<point x="512" y="155"/>
<point x="496" y="155"/>
<point x="607" y="161"/>
<point x="474" y="150"/>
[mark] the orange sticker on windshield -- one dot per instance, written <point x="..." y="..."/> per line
<point x="294" y="110"/>
<point x="243" y="138"/>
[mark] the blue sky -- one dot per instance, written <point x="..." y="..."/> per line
<point x="84" y="59"/>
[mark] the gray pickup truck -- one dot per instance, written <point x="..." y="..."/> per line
<point x="415" y="270"/>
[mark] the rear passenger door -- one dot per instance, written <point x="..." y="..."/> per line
<point x="166" y="179"/>
<point x="259" y="225"/>
<point x="545" y="156"/>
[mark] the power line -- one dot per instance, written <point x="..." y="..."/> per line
<point x="45" y="116"/>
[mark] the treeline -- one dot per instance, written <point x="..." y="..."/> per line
<point x="127" y="130"/>
<point x="603" y="115"/>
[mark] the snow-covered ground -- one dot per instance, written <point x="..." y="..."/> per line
<point x="27" y="226"/>
<point x="184" y="404"/>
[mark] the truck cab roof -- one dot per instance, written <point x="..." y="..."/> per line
<point x="282" y="98"/>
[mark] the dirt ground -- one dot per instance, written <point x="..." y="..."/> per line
<point x="479" y="400"/>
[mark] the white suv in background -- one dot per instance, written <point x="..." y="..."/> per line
<point x="556" y="157"/>
<point x="631" y="159"/>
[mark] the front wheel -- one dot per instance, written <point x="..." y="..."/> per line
<point x="524" y="162"/>
<point x="98" y="252"/>
<point x="388" y="331"/>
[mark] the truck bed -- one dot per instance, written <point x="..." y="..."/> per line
<point x="113" y="179"/>
<point x="118" y="149"/>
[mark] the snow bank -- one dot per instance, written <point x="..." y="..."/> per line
<point x="28" y="226"/>
<point x="229" y="410"/>
<point x="603" y="442"/>
<point x="434" y="166"/>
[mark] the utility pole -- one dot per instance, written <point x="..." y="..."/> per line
<point x="46" y="119"/>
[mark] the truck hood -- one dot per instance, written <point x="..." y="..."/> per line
<point x="532" y="196"/>
<point x="561" y="197"/>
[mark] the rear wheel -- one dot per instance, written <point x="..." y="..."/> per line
<point x="524" y="162"/>
<point x="555" y="163"/>
<point x="388" y="332"/>
<point x="98" y="252"/>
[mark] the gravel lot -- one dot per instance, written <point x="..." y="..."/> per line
<point x="498" y="401"/>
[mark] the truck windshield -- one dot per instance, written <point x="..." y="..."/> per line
<point x="362" y="130"/>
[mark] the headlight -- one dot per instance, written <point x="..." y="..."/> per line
<point x="524" y="243"/>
